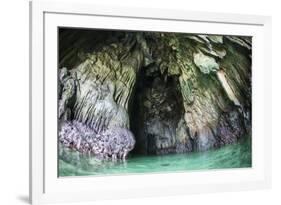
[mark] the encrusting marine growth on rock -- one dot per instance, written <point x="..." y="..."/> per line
<point x="111" y="143"/>
<point x="152" y="92"/>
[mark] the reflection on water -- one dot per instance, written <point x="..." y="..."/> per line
<point x="238" y="155"/>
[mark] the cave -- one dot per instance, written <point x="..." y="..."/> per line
<point x="155" y="111"/>
<point x="152" y="93"/>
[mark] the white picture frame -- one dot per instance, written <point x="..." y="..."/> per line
<point x="46" y="186"/>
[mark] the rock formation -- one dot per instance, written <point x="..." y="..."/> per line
<point x="175" y="92"/>
<point x="113" y="143"/>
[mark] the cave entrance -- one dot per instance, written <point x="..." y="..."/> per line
<point x="155" y="111"/>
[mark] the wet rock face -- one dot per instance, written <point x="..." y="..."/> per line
<point x="152" y="92"/>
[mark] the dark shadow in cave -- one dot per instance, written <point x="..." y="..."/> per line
<point x="155" y="110"/>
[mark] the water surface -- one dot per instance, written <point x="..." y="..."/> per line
<point x="236" y="155"/>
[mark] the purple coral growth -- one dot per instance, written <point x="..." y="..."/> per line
<point x="114" y="143"/>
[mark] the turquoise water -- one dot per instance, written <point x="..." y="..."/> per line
<point x="236" y="155"/>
